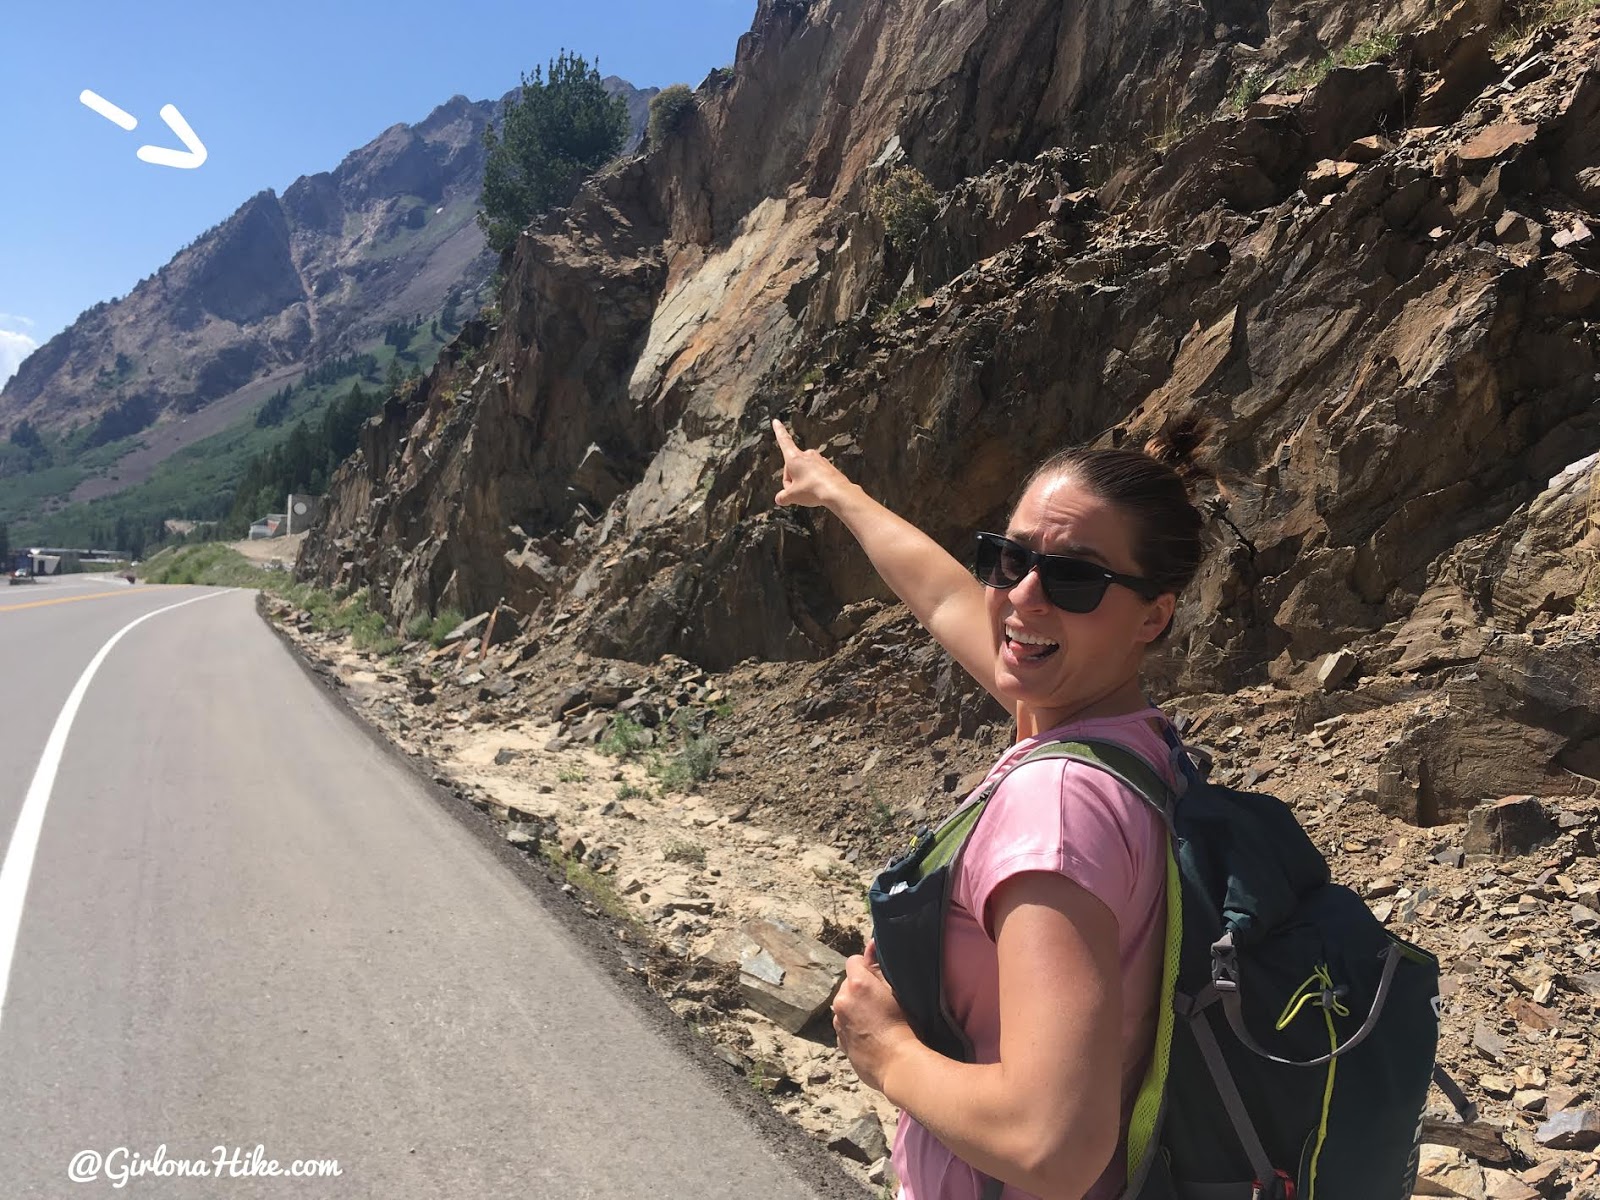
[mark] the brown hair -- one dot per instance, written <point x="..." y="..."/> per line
<point x="1151" y="487"/>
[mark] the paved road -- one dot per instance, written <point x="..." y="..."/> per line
<point x="247" y="924"/>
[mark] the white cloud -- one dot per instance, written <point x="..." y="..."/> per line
<point x="13" y="319"/>
<point x="14" y="347"/>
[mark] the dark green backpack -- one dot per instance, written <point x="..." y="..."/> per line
<point x="1296" y="1038"/>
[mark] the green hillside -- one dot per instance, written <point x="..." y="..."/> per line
<point x="200" y="482"/>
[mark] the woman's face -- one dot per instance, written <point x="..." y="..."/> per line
<point x="1061" y="664"/>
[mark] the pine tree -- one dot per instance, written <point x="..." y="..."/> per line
<point x="562" y="128"/>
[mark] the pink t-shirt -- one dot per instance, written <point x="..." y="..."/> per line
<point x="1063" y="816"/>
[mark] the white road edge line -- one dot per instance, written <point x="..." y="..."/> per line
<point x="18" y="865"/>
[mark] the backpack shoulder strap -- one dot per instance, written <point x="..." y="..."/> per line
<point x="1126" y="766"/>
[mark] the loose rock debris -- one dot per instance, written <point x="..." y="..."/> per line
<point x="726" y="905"/>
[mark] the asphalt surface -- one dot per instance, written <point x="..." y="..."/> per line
<point x="247" y="924"/>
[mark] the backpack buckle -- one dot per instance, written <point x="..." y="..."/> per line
<point x="1225" y="965"/>
<point x="1280" y="1187"/>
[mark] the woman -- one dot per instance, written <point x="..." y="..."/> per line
<point x="1053" y="939"/>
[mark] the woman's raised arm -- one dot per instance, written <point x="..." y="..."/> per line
<point x="941" y="593"/>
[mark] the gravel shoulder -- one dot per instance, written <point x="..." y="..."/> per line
<point x="809" y="791"/>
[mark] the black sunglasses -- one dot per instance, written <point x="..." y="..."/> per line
<point x="1073" y="584"/>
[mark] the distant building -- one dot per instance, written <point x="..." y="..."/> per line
<point x="269" y="526"/>
<point x="302" y="510"/>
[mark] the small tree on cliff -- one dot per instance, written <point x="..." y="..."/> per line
<point x="906" y="204"/>
<point x="667" y="110"/>
<point x="562" y="128"/>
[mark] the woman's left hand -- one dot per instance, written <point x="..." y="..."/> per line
<point x="870" y="1023"/>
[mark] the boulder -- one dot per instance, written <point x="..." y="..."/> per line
<point x="784" y="975"/>
<point x="1503" y="1185"/>
<point x="1498" y="143"/>
<point x="1446" y="1171"/>
<point x="1328" y="177"/>
<point x="1367" y="149"/>
<point x="1574" y="1129"/>
<point x="862" y="1141"/>
<point x="1510" y="827"/>
<point x="470" y="628"/>
<point x="1336" y="668"/>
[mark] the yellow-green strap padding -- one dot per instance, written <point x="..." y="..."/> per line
<point x="951" y="837"/>
<point x="1132" y="771"/>
<point x="1145" y="1124"/>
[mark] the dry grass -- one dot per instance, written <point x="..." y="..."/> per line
<point x="1540" y="15"/>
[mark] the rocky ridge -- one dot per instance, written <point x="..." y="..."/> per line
<point x="283" y="282"/>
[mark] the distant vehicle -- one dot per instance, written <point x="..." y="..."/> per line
<point x="20" y="575"/>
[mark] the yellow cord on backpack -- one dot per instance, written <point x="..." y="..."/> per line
<point x="1318" y="989"/>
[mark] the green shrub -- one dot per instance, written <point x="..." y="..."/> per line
<point x="695" y="762"/>
<point x="624" y="738"/>
<point x="667" y="109"/>
<point x="906" y="204"/>
<point x="685" y="852"/>
<point x="1250" y="89"/>
<point x="629" y="791"/>
<point x="419" y="627"/>
<point x="444" y="625"/>
<point x="596" y="888"/>
<point x="572" y="775"/>
<point x="1355" y="54"/>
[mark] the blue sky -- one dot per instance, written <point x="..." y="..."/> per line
<point x="274" y="91"/>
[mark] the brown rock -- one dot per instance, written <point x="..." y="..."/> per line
<point x="1349" y="103"/>
<point x="1563" y="1097"/>
<point x="1497" y="143"/>
<point x="1327" y="177"/>
<point x="1573" y="1129"/>
<point x="783" y="974"/>
<point x="1542" y="1177"/>
<point x="1465" y="67"/>
<point x="1509" y="827"/>
<point x="1529" y="1100"/>
<point x="1446" y="1171"/>
<point x="1367" y="149"/>
<point x="1478" y="1138"/>
<point x="1488" y="1042"/>
<point x="1336" y="668"/>
<point x="1532" y="1016"/>
<point x="1496" y="1085"/>
<point x="1274" y="105"/>
<point x="1503" y="1185"/>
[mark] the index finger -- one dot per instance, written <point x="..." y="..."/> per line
<point x="785" y="442"/>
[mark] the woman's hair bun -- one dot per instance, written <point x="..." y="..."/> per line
<point x="1181" y="444"/>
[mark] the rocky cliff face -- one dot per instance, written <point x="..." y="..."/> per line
<point x="285" y="280"/>
<point x="1364" y="254"/>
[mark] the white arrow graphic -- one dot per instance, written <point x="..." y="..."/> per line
<point x="163" y="156"/>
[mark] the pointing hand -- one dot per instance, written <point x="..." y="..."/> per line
<point x="808" y="477"/>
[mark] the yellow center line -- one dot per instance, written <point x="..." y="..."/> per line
<point x="65" y="600"/>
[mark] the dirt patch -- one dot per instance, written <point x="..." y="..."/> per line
<point x="267" y="551"/>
